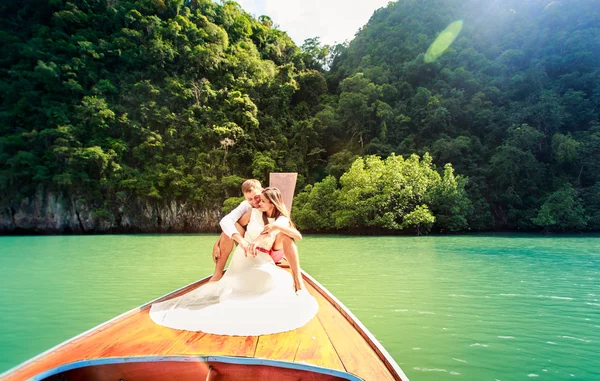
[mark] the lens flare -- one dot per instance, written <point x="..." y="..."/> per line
<point x="443" y="41"/>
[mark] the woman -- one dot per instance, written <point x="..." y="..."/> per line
<point x="254" y="297"/>
<point x="271" y="204"/>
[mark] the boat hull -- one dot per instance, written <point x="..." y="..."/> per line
<point x="190" y="368"/>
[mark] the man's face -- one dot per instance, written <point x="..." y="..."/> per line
<point x="253" y="197"/>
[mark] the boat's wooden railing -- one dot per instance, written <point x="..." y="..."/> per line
<point x="387" y="359"/>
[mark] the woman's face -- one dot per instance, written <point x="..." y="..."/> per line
<point x="265" y="205"/>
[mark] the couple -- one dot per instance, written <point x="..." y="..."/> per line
<point x="254" y="297"/>
<point x="269" y="201"/>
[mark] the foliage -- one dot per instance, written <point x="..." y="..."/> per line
<point x="231" y="203"/>
<point x="562" y="211"/>
<point x="315" y="206"/>
<point x="151" y="102"/>
<point x="390" y="194"/>
<point x="154" y="102"/>
<point x="511" y="103"/>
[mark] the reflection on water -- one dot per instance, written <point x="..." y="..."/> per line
<point x="476" y="307"/>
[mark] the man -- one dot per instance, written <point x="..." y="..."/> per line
<point x="222" y="248"/>
<point x="232" y="231"/>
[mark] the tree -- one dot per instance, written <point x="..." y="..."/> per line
<point x="390" y="194"/>
<point x="562" y="211"/>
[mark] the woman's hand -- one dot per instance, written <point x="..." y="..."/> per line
<point x="269" y="228"/>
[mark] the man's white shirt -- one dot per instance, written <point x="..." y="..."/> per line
<point x="228" y="222"/>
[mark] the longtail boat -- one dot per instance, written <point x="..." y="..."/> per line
<point x="334" y="345"/>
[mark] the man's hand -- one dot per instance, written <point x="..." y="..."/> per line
<point x="244" y="244"/>
<point x="251" y="249"/>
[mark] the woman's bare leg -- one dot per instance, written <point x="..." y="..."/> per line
<point x="290" y="251"/>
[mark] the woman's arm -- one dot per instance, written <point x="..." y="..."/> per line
<point x="262" y="241"/>
<point x="287" y="230"/>
<point x="282" y="224"/>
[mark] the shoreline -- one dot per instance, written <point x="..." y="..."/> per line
<point x="361" y="233"/>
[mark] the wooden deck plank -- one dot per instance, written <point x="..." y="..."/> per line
<point x="354" y="351"/>
<point x="316" y="348"/>
<point x="148" y="338"/>
<point x="198" y="343"/>
<point x="93" y="345"/>
<point x="308" y="344"/>
<point x="182" y="343"/>
<point x="143" y="338"/>
<point x="280" y="346"/>
<point x="284" y="346"/>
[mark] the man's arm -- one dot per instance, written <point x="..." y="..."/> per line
<point x="237" y="236"/>
<point x="228" y="222"/>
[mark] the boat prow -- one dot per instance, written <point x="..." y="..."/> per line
<point x="334" y="345"/>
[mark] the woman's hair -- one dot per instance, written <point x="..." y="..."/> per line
<point x="274" y="196"/>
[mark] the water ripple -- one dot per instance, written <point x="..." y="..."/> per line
<point x="432" y="301"/>
<point x="575" y="338"/>
<point x="554" y="297"/>
<point x="430" y="369"/>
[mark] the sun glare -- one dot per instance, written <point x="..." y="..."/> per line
<point x="443" y="41"/>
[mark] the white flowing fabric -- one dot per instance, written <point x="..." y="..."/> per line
<point x="254" y="297"/>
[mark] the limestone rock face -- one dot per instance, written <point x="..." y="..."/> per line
<point x="49" y="213"/>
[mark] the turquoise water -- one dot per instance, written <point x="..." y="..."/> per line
<point x="486" y="307"/>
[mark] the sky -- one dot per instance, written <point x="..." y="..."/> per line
<point x="334" y="21"/>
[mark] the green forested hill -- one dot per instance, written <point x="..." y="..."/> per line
<point x="513" y="104"/>
<point x="145" y="115"/>
<point x="117" y="104"/>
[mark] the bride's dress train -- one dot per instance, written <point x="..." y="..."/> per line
<point x="254" y="297"/>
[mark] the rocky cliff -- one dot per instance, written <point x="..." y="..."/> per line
<point x="50" y="213"/>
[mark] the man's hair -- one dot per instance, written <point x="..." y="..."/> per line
<point x="250" y="184"/>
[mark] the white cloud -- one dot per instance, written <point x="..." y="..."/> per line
<point x="254" y="7"/>
<point x="331" y="20"/>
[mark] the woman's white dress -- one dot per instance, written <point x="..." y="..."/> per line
<point x="254" y="297"/>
